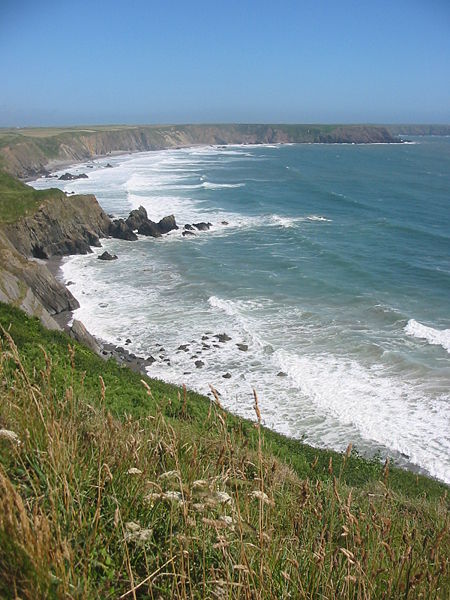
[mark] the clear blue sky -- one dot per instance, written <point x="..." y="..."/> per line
<point x="155" y="61"/>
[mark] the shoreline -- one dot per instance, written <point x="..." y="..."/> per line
<point x="136" y="363"/>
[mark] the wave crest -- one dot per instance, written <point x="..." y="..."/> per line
<point x="436" y="337"/>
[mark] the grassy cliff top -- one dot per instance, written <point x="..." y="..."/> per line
<point x="18" y="199"/>
<point x="113" y="485"/>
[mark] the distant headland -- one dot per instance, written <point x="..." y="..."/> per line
<point x="30" y="152"/>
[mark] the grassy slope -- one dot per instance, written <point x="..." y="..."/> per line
<point x="18" y="200"/>
<point x="75" y="523"/>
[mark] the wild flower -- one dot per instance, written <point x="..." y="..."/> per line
<point x="134" y="471"/>
<point x="10" y="435"/>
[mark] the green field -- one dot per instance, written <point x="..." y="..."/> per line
<point x="19" y="200"/>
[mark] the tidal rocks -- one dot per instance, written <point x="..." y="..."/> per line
<point x="137" y="217"/>
<point x="202" y="226"/>
<point x="188" y="227"/>
<point x="108" y="166"/>
<point x="222" y="337"/>
<point x="188" y="233"/>
<point x="121" y="230"/>
<point x="107" y="256"/>
<point x="281" y="374"/>
<point x="224" y="223"/>
<point x="199" y="364"/>
<point x="157" y="229"/>
<point x="242" y="347"/>
<point x="167" y="224"/>
<point x="71" y="177"/>
<point x="227" y="376"/>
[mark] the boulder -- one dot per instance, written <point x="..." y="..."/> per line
<point x="137" y="218"/>
<point x="167" y="224"/>
<point x="107" y="256"/>
<point x="225" y="223"/>
<point x="71" y="177"/>
<point x="149" y="228"/>
<point x="242" y="347"/>
<point x="222" y="337"/>
<point x="188" y="227"/>
<point x="79" y="332"/>
<point x="121" y="230"/>
<point x="188" y="233"/>
<point x="202" y="226"/>
<point x="227" y="376"/>
<point x="199" y="364"/>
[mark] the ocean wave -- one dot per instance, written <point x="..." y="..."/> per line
<point x="436" y="337"/>
<point x="318" y="218"/>
<point x="209" y="185"/>
<point x="377" y="406"/>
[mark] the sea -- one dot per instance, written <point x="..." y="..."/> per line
<point x="327" y="266"/>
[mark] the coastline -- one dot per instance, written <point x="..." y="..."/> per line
<point x="139" y="363"/>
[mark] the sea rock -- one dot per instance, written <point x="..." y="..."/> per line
<point x="227" y="376"/>
<point x="183" y="347"/>
<point x="108" y="166"/>
<point x="70" y="176"/>
<point x="202" y="226"/>
<point x="188" y="227"/>
<point x="137" y="217"/>
<point x="281" y="374"/>
<point x="222" y="337"/>
<point x="188" y="233"/>
<point x="225" y="223"/>
<point x="149" y="228"/>
<point x="107" y="256"/>
<point x="121" y="230"/>
<point x="199" y="364"/>
<point x="167" y="224"/>
<point x="242" y="347"/>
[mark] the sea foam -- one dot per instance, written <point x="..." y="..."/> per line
<point x="436" y="337"/>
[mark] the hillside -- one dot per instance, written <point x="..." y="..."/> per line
<point x="29" y="152"/>
<point x="113" y="487"/>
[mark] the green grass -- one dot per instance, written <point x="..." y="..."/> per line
<point x="216" y="507"/>
<point x="19" y="200"/>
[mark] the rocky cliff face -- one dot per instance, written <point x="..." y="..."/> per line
<point x="26" y="156"/>
<point x="61" y="226"/>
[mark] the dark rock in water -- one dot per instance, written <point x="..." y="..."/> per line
<point x="151" y="359"/>
<point x="242" y="347"/>
<point x="127" y="341"/>
<point x="167" y="224"/>
<point x="188" y="227"/>
<point x="227" y="376"/>
<point x="225" y="223"/>
<point x="186" y="233"/>
<point x="137" y="217"/>
<point x="108" y="166"/>
<point x="281" y="374"/>
<point x="149" y="228"/>
<point x="183" y="347"/>
<point x="186" y="373"/>
<point x="202" y="226"/>
<point x="199" y="364"/>
<point x="205" y="346"/>
<point x="121" y="230"/>
<point x="70" y="283"/>
<point x="205" y="337"/>
<point x="107" y="256"/>
<point x="216" y="346"/>
<point x="223" y="337"/>
<point x="70" y="176"/>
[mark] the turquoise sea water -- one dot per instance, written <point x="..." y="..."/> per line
<point x="333" y="269"/>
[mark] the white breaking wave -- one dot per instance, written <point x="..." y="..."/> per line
<point x="318" y="218"/>
<point x="209" y="185"/>
<point x="437" y="337"/>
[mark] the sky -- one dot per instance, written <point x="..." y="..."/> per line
<point x="248" y="61"/>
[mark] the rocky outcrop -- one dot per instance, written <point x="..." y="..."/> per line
<point x="121" y="230"/>
<point x="152" y="229"/>
<point x="30" y="286"/>
<point x="71" y="177"/>
<point x="107" y="256"/>
<point x="137" y="218"/>
<point x="63" y="225"/>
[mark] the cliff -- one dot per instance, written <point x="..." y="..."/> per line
<point x="29" y="152"/>
<point x="41" y="225"/>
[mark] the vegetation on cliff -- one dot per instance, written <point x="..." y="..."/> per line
<point x="117" y="486"/>
<point x="19" y="200"/>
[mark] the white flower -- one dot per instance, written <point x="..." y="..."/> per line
<point x="223" y="497"/>
<point x="172" y="496"/>
<point x="260" y="496"/>
<point x="134" y="471"/>
<point x="10" y="435"/>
